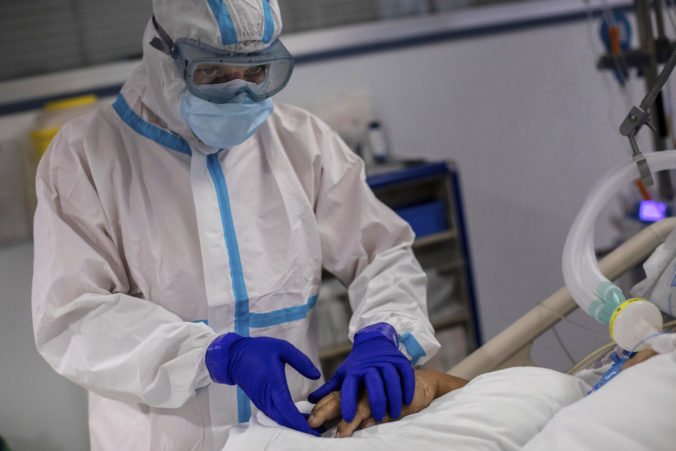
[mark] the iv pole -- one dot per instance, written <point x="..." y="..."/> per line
<point x="653" y="51"/>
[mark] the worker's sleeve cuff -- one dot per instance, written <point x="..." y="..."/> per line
<point x="217" y="358"/>
<point x="377" y="330"/>
<point x="410" y="346"/>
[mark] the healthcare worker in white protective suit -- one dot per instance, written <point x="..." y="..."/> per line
<point x="180" y="237"/>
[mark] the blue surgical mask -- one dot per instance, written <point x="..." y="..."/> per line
<point x="224" y="125"/>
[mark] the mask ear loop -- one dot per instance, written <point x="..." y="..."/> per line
<point x="164" y="43"/>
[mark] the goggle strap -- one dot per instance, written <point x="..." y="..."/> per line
<point x="164" y="43"/>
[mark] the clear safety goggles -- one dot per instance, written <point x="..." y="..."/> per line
<point x="219" y="76"/>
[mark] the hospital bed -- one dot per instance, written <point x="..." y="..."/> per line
<point x="512" y="346"/>
<point x="523" y="408"/>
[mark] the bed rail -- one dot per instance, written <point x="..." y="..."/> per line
<point x="511" y="347"/>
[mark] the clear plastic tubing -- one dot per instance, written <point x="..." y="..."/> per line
<point x="592" y="291"/>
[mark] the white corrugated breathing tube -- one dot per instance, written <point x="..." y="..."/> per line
<point x="592" y="291"/>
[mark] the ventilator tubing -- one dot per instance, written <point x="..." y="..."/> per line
<point x="592" y="291"/>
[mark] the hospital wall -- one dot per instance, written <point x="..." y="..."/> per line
<point x="531" y="124"/>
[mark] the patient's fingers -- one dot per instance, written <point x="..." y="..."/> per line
<point x="326" y="409"/>
<point x="369" y="422"/>
<point x="363" y="412"/>
<point x="330" y="399"/>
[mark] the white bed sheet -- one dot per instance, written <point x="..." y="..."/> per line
<point x="634" y="411"/>
<point x="497" y="411"/>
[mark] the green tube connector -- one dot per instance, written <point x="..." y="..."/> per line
<point x="611" y="297"/>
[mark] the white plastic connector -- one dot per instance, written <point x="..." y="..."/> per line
<point x="633" y="322"/>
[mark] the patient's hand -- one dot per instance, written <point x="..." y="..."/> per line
<point x="428" y="386"/>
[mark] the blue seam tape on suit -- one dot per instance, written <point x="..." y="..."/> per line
<point x="285" y="315"/>
<point x="147" y="129"/>
<point x="269" y="26"/>
<point x="177" y="143"/>
<point x="412" y="347"/>
<point x="220" y="11"/>
<point x="276" y="317"/>
<point x="244" y="320"/>
<point x="236" y="274"/>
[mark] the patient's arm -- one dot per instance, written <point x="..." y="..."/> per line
<point x="639" y="357"/>
<point x="428" y="386"/>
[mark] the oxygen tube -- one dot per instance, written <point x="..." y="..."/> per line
<point x="630" y="321"/>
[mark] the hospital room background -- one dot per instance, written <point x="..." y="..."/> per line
<point x="506" y="93"/>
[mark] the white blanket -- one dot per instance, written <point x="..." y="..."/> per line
<point x="634" y="411"/>
<point x="497" y="411"/>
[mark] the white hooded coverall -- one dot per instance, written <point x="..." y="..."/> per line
<point x="149" y="244"/>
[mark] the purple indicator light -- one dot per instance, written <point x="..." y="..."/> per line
<point x="651" y="211"/>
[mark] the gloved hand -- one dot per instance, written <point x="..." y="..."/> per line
<point x="256" y="365"/>
<point x="376" y="363"/>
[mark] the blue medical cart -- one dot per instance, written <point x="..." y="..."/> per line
<point x="429" y="197"/>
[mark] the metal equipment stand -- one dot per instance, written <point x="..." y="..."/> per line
<point x="653" y="51"/>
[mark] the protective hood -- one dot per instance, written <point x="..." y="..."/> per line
<point x="153" y="89"/>
<point x="234" y="25"/>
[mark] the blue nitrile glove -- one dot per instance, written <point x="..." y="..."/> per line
<point x="256" y="365"/>
<point x="377" y="364"/>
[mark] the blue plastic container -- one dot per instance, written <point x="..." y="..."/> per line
<point x="425" y="219"/>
